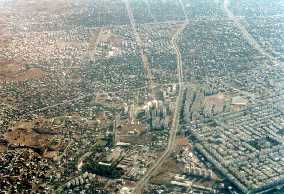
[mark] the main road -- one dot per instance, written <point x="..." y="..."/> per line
<point x="247" y="36"/>
<point x="148" y="73"/>
<point x="175" y="123"/>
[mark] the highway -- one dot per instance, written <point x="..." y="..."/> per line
<point x="183" y="10"/>
<point x="175" y="123"/>
<point x="148" y="73"/>
<point x="150" y="12"/>
<point x="247" y="36"/>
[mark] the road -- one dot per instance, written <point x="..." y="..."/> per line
<point x="247" y="36"/>
<point x="149" y="10"/>
<point x="76" y="99"/>
<point x="58" y="104"/>
<point x="201" y="18"/>
<point x="183" y="10"/>
<point x="148" y="73"/>
<point x="91" y="55"/>
<point x="175" y="123"/>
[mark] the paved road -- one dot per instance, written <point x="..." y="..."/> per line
<point x="58" y="104"/>
<point x="200" y="18"/>
<point x="175" y="124"/>
<point x="183" y="9"/>
<point x="74" y="100"/>
<point x="251" y="40"/>
<point x="149" y="10"/>
<point x="148" y="73"/>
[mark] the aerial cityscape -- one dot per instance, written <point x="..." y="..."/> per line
<point x="142" y="96"/>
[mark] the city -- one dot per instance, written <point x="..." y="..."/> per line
<point x="142" y="96"/>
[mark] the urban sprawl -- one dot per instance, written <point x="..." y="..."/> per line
<point x="142" y="96"/>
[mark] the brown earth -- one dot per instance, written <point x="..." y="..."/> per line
<point x="3" y="148"/>
<point x="165" y="176"/>
<point x="182" y="141"/>
<point x="33" y="73"/>
<point x="22" y="134"/>
<point x="215" y="99"/>
<point x="5" y="36"/>
<point x="26" y="137"/>
<point x="42" y="6"/>
<point x="13" y="72"/>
